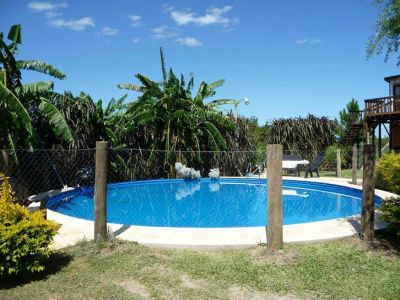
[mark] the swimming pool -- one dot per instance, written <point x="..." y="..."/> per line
<point x="228" y="202"/>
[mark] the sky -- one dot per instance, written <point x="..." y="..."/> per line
<point x="288" y="57"/>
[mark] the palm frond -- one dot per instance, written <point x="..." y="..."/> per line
<point x="163" y="69"/>
<point x="215" y="84"/>
<point x="218" y="138"/>
<point x="15" y="34"/>
<point x="218" y="118"/>
<point x="218" y="102"/>
<point x="57" y="120"/>
<point x="149" y="85"/>
<point x="10" y="102"/>
<point x="131" y="87"/>
<point x="114" y="105"/>
<point x="37" y="87"/>
<point x="143" y="118"/>
<point x="40" y="66"/>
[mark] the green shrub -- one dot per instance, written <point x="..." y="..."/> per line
<point x="388" y="173"/>
<point x="390" y="210"/>
<point x="24" y="236"/>
<point x="330" y="156"/>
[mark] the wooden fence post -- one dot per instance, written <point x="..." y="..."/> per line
<point x="100" y="192"/>
<point x="354" y="165"/>
<point x="338" y="164"/>
<point x="368" y="194"/>
<point x="274" y="197"/>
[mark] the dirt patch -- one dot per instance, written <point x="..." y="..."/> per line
<point x="240" y="293"/>
<point x="277" y="257"/>
<point x="134" y="287"/>
<point x="114" y="248"/>
<point x="189" y="282"/>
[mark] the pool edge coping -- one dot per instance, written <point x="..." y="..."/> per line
<point x="75" y="229"/>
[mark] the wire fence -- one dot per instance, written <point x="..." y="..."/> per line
<point x="35" y="171"/>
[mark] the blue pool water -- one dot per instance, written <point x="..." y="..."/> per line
<point x="229" y="202"/>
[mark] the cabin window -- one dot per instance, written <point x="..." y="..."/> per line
<point x="396" y="89"/>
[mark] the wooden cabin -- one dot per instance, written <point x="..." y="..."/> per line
<point x="384" y="114"/>
<point x="381" y="116"/>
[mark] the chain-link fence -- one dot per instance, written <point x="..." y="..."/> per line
<point x="35" y="171"/>
<point x="134" y="164"/>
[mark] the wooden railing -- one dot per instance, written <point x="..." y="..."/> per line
<point x="355" y="117"/>
<point x="381" y="106"/>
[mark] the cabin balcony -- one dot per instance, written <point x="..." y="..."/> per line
<point x="380" y="112"/>
<point x="384" y="107"/>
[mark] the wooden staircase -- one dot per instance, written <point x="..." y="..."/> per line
<point x="353" y="133"/>
<point x="378" y="111"/>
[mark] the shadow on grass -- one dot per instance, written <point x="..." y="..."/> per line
<point x="54" y="264"/>
<point x="386" y="242"/>
<point x="386" y="239"/>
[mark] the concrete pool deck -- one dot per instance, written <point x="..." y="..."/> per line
<point x="74" y="230"/>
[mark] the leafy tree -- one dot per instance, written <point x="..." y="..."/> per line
<point x="387" y="34"/>
<point x="346" y="117"/>
<point x="26" y="113"/>
<point x="89" y="121"/>
<point x="179" y="120"/>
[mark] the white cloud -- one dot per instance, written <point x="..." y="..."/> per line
<point x="77" y="25"/>
<point x="308" y="41"/>
<point x="301" y="41"/>
<point x="52" y="14"/>
<point x="315" y="41"/>
<point x="189" y="41"/>
<point x="163" y="32"/>
<point x="46" y="6"/>
<point x="136" y="20"/>
<point x="167" y="8"/>
<point x="214" y="15"/>
<point x="108" y="31"/>
<point x="135" y="40"/>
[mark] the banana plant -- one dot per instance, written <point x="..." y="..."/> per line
<point x="25" y="108"/>
<point x="181" y="121"/>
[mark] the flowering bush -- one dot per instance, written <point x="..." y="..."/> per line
<point x="388" y="173"/>
<point x="24" y="236"/>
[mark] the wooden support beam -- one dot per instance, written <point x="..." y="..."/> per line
<point x="380" y="140"/>
<point x="373" y="135"/>
<point x="100" y="192"/>
<point x="274" y="197"/>
<point x="338" y="164"/>
<point x="354" y="166"/>
<point x="366" y="133"/>
<point x="384" y="126"/>
<point x="368" y="194"/>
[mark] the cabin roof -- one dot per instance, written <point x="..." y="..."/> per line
<point x="390" y="78"/>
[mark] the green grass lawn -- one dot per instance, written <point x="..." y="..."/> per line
<point x="345" y="269"/>
<point x="346" y="173"/>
